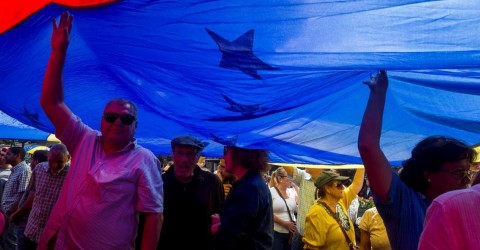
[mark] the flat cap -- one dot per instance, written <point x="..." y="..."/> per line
<point x="188" y="141"/>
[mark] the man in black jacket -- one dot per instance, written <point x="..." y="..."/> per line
<point x="191" y="197"/>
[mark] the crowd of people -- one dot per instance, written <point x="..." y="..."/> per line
<point x="29" y="193"/>
<point x="102" y="190"/>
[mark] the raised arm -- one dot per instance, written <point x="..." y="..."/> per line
<point x="376" y="164"/>
<point x="314" y="172"/>
<point x="357" y="182"/>
<point x="52" y="99"/>
<point x="290" y="170"/>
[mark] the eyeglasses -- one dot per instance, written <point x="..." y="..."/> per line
<point x="126" y="119"/>
<point x="461" y="174"/>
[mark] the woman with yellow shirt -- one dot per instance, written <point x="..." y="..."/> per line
<point x="327" y="225"/>
<point x="373" y="233"/>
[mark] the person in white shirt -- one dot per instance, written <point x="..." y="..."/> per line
<point x="284" y="201"/>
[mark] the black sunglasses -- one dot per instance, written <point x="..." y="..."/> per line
<point x="338" y="185"/>
<point x="126" y="119"/>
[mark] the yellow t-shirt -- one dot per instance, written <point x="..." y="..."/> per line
<point x="323" y="231"/>
<point x="373" y="224"/>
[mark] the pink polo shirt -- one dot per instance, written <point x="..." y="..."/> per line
<point x="452" y="221"/>
<point x="102" y="194"/>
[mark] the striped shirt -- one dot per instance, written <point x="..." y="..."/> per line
<point x="46" y="186"/>
<point x="16" y="184"/>
<point x="306" y="190"/>
<point x="4" y="174"/>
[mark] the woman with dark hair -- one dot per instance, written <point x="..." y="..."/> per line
<point x="438" y="164"/>
<point x="246" y="220"/>
<point x="429" y="156"/>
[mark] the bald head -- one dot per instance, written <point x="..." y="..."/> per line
<point x="59" y="149"/>
<point x="58" y="157"/>
<point x="122" y="101"/>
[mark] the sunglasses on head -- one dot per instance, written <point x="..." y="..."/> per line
<point x="126" y="119"/>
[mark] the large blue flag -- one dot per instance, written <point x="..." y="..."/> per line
<point x="280" y="75"/>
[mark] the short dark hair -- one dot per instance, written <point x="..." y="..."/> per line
<point x="40" y="155"/>
<point x="429" y="155"/>
<point x="18" y="150"/>
<point x="250" y="158"/>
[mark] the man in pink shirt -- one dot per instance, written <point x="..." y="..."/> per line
<point x="452" y="219"/>
<point x="111" y="178"/>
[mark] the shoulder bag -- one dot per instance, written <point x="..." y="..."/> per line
<point x="330" y="212"/>
<point x="291" y="219"/>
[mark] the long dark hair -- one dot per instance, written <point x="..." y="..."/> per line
<point x="429" y="155"/>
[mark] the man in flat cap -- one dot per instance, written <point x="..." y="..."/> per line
<point x="191" y="197"/>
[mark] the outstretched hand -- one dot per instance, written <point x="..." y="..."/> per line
<point x="61" y="33"/>
<point x="378" y="81"/>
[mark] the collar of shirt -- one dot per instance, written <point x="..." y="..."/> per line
<point x="131" y="145"/>
<point x="60" y="172"/>
<point x="246" y="177"/>
<point x="22" y="163"/>
<point x="425" y="199"/>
